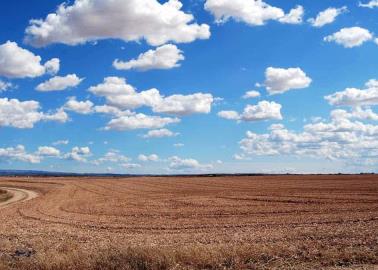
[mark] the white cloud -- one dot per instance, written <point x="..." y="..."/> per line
<point x="59" y="116"/>
<point x="370" y="4"/>
<point x="239" y="157"/>
<point x="61" y="142"/>
<point x="131" y="166"/>
<point x="372" y="83"/>
<point x="356" y="113"/>
<point x="52" y="66"/>
<point x="165" y="57"/>
<point x="160" y="133"/>
<point x="145" y="158"/>
<point x="295" y="16"/>
<point x="81" y="107"/>
<point x="16" y="62"/>
<point x="78" y="154"/>
<point x="350" y="37"/>
<point x="229" y="115"/>
<point x="124" y="96"/>
<point x="356" y="97"/>
<point x="59" y="83"/>
<point x="5" y="85"/>
<point x="48" y="151"/>
<point x="132" y="20"/>
<point x="327" y="16"/>
<point x="264" y="110"/>
<point x="341" y="138"/>
<point x="24" y="114"/>
<point x="251" y="94"/>
<point x="106" y="109"/>
<point x="112" y="87"/>
<point x="252" y="12"/>
<point x="18" y="153"/>
<point x="140" y="121"/>
<point x="112" y="156"/>
<point x="184" y="104"/>
<point x="189" y="164"/>
<point x="280" y="80"/>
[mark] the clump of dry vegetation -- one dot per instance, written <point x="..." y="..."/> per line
<point x="270" y="222"/>
<point x="4" y="195"/>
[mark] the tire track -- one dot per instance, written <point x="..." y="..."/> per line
<point x="18" y="195"/>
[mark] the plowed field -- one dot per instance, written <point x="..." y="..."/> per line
<point x="256" y="222"/>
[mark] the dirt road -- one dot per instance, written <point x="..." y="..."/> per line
<point x="18" y="195"/>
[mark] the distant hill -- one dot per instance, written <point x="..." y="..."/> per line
<point x="62" y="174"/>
<point x="51" y="173"/>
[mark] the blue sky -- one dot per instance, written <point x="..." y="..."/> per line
<point x="176" y="102"/>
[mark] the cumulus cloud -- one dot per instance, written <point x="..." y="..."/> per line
<point x="25" y="114"/>
<point x="370" y="4"/>
<point x="78" y="154"/>
<point x="184" y="104"/>
<point x="295" y="16"/>
<point x="264" y="110"/>
<point x="16" y="62"/>
<point x="59" y="116"/>
<point x="106" y="109"/>
<point x="164" y="57"/>
<point x="280" y="80"/>
<point x="113" y="156"/>
<point x="139" y="121"/>
<point x="252" y="12"/>
<point x="356" y="97"/>
<point x="189" y="164"/>
<point x="356" y="113"/>
<point x="371" y="83"/>
<point x="229" y="115"/>
<point x="160" y="133"/>
<point x="145" y="158"/>
<point x="124" y="96"/>
<point x="251" y="94"/>
<point x="48" y="151"/>
<point x="81" y="107"/>
<point x="132" y="20"/>
<point x="112" y="86"/>
<point x="52" y="66"/>
<point x="350" y="37"/>
<point x="343" y="137"/>
<point x="59" y="83"/>
<point x="327" y="16"/>
<point x="18" y="153"/>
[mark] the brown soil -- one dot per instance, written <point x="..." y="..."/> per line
<point x="264" y="222"/>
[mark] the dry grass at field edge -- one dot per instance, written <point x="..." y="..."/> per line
<point x="246" y="256"/>
<point x="195" y="257"/>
